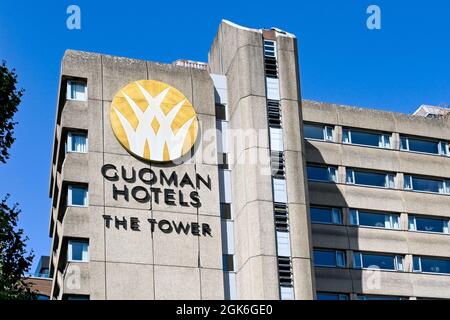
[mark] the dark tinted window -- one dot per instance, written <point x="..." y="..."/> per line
<point x="313" y="131"/>
<point x="435" y="265"/>
<point x="370" y="178"/>
<point x="430" y="225"/>
<point x="365" y="138"/>
<point x="381" y="261"/>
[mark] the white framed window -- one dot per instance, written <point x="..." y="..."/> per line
<point x="77" y="196"/>
<point x="279" y="190"/>
<point x="365" y="138"/>
<point x="431" y="265"/>
<point x="77" y="142"/>
<point x="318" y="132"/>
<point x="423" y="184"/>
<point x="222" y="136"/>
<point x="76" y="90"/>
<point x="428" y="224"/>
<point x="270" y="48"/>
<point x="374" y="219"/>
<point x="321" y="173"/>
<point x="424" y="145"/>
<point x="329" y="258"/>
<point x="364" y="260"/>
<point x="325" y="215"/>
<point x="370" y="178"/>
<point x="276" y="139"/>
<point x="225" y="185"/>
<point x="283" y="244"/>
<point x="78" y="251"/>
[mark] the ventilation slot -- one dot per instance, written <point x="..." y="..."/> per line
<point x="270" y="59"/>
<point x="274" y="115"/>
<point x="285" y="271"/>
<point x="281" y="217"/>
<point x="277" y="164"/>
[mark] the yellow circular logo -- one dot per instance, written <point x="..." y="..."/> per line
<point x="153" y="120"/>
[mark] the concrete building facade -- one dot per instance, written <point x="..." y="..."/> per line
<point x="272" y="198"/>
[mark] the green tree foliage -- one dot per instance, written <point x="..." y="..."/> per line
<point x="14" y="259"/>
<point x="9" y="100"/>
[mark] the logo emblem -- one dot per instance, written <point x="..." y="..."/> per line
<point x="153" y="120"/>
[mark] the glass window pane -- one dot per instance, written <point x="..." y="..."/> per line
<point x="78" y="196"/>
<point x="373" y="297"/>
<point x="78" y="250"/>
<point x="429" y="225"/>
<point x="325" y="258"/>
<point x="78" y="143"/>
<point x="423" y="146"/>
<point x="365" y="138"/>
<point x="380" y="261"/>
<point x="370" y="178"/>
<point x="416" y="264"/>
<point x="403" y="143"/>
<point x="345" y="136"/>
<point x="321" y="215"/>
<point x="372" y="219"/>
<point x="313" y="131"/>
<point x="331" y="296"/>
<point x="318" y="173"/>
<point x="428" y="185"/>
<point x="329" y="133"/>
<point x="435" y="265"/>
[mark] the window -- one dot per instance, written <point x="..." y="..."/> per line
<point x="353" y="136"/>
<point x="332" y="296"/>
<point x="325" y="215"/>
<point x="76" y="90"/>
<point x="329" y="258"/>
<point x="374" y="219"/>
<point x="77" y="196"/>
<point x="279" y="190"/>
<point x="319" y="132"/>
<point x="423" y="145"/>
<point x="76" y="297"/>
<point x="363" y="260"/>
<point x="321" y="173"/>
<point x="369" y="178"/>
<point x="426" y="184"/>
<point x="78" y="251"/>
<point x="76" y="142"/>
<point x="426" y="224"/>
<point x="228" y="262"/>
<point x="225" y="210"/>
<point x="431" y="265"/>
<point x="374" y="297"/>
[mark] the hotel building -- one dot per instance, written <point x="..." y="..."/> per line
<point x="274" y="197"/>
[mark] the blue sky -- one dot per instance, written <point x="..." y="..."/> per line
<point x="397" y="68"/>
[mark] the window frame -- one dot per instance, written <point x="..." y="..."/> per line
<point x="354" y="220"/>
<point x="442" y="145"/>
<point x="398" y="260"/>
<point x="72" y="82"/>
<point x="333" y="210"/>
<point x="340" y="296"/>
<point x="389" y="182"/>
<point x="330" y="174"/>
<point x="69" y="196"/>
<point x="70" y="250"/>
<point x="445" y="224"/>
<point x="336" y="253"/>
<point x="70" y="135"/>
<point x="327" y="132"/>
<point x="420" y="270"/>
<point x="408" y="178"/>
<point x="381" y="138"/>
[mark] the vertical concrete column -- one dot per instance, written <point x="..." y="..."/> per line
<point x="296" y="180"/>
<point x="237" y="52"/>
